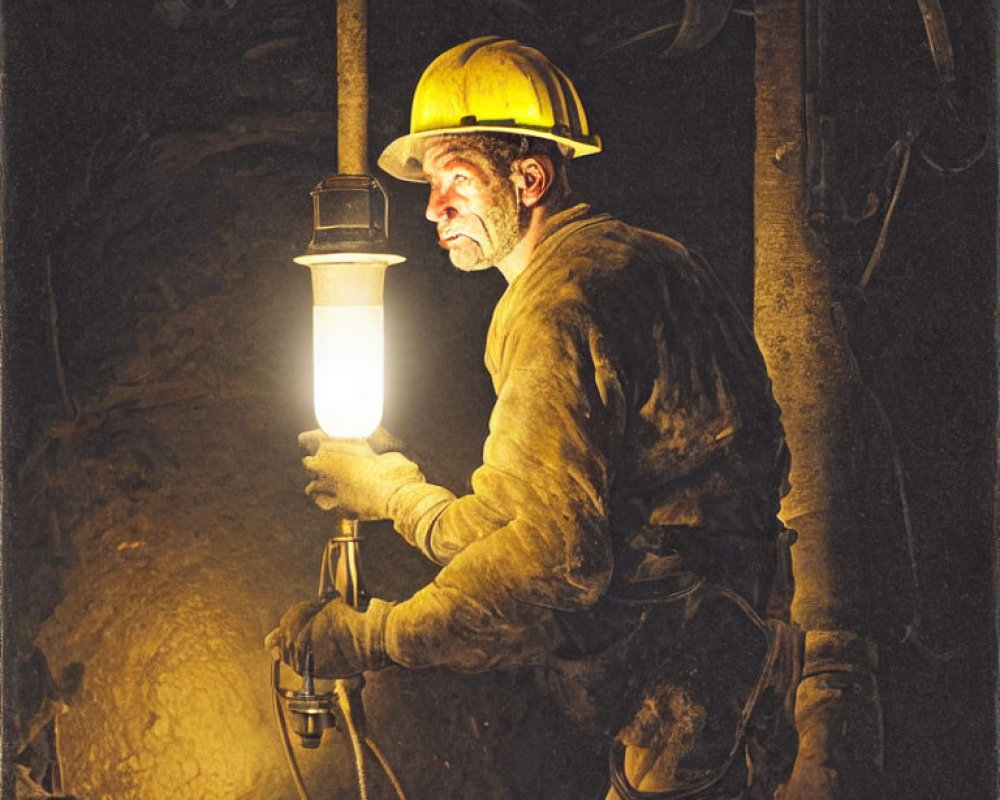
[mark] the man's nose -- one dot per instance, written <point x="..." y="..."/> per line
<point x="439" y="207"/>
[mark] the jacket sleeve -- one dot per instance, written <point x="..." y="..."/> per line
<point x="533" y="535"/>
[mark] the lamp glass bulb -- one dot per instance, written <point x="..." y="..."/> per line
<point x="348" y="368"/>
<point x="348" y="341"/>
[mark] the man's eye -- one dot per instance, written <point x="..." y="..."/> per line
<point x="459" y="177"/>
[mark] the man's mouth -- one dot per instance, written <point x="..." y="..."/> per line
<point x="448" y="239"/>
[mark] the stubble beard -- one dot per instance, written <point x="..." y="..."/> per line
<point x="501" y="227"/>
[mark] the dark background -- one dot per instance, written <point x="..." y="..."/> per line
<point x="156" y="371"/>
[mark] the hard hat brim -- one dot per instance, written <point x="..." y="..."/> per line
<point x="404" y="157"/>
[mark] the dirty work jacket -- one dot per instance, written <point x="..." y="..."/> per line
<point x="632" y="410"/>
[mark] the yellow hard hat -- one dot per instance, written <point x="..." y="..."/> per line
<point x="490" y="84"/>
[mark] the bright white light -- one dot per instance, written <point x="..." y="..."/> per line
<point x="348" y="358"/>
<point x="348" y="341"/>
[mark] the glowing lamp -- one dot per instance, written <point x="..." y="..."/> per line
<point x="347" y="260"/>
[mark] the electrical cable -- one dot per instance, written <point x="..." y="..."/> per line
<point x="293" y="765"/>
<point x="912" y="630"/>
<point x="346" y="708"/>
<point x="883" y="235"/>
<point x="958" y="169"/>
<point x="357" y="743"/>
<point x="705" y="789"/>
<point x="386" y="768"/>
<point x="347" y="692"/>
<point x="899" y="475"/>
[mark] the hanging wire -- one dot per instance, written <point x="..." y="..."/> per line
<point x="649" y="33"/>
<point x="939" y="44"/>
<point x="903" y="150"/>
<point x="959" y="168"/>
<point x="293" y="764"/>
<point x="348" y="711"/>
<point x="350" y="707"/>
<point x="386" y="767"/>
<point x="947" y="102"/>
<point x="912" y="630"/>
<point x="359" y="741"/>
<point x="883" y="236"/>
<point x="911" y="633"/>
<point x="707" y="786"/>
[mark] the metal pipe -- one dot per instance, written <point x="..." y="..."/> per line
<point x="352" y="87"/>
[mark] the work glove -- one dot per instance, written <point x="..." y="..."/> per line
<point x="341" y="640"/>
<point x="351" y="477"/>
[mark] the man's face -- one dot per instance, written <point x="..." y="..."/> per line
<point x="476" y="211"/>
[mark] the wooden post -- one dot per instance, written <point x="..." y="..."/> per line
<point x="798" y="324"/>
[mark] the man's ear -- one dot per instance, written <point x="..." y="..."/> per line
<point x="533" y="177"/>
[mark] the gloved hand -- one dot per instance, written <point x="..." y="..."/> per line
<point x="343" y="642"/>
<point x="352" y="478"/>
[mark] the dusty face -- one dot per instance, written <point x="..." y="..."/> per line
<point x="476" y="211"/>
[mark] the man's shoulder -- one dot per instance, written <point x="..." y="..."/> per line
<point x="591" y="260"/>
<point x="598" y="235"/>
<point x="599" y="249"/>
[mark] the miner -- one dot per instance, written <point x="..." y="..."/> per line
<point x="621" y="535"/>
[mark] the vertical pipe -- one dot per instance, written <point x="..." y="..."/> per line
<point x="799" y="325"/>
<point x="796" y="325"/>
<point x="352" y="87"/>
